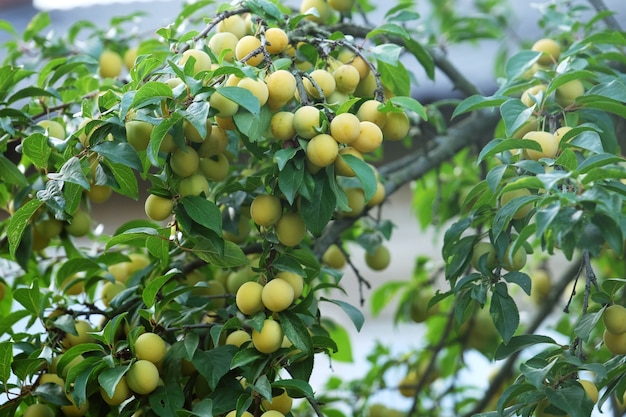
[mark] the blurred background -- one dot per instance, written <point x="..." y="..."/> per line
<point x="476" y="61"/>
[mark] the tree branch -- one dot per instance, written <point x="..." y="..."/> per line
<point x="609" y="19"/>
<point x="460" y="82"/>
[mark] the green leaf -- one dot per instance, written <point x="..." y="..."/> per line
<point x="341" y="337"/>
<point x="296" y="331"/>
<point x="214" y="364"/>
<point x="121" y="153"/>
<point x="166" y="400"/>
<point x="37" y="23"/>
<point x="388" y="53"/>
<point x="614" y="89"/>
<point x="520" y="278"/>
<point x="593" y="101"/>
<point x="265" y="8"/>
<point x="514" y="114"/>
<point x="598" y="160"/>
<point x="521" y="342"/>
<point x="152" y="92"/>
<point x="149" y="293"/>
<point x="586" y="324"/>
<point x="6" y="359"/>
<point x="572" y="400"/>
<point x="295" y="387"/>
<point x="10" y="173"/>
<point x="290" y="179"/>
<point x="32" y="92"/>
<point x="476" y="102"/>
<point x="109" y="378"/>
<point x="355" y="315"/>
<point x="382" y="296"/>
<point x="36" y="148"/>
<point x="29" y="298"/>
<point x="71" y="171"/>
<point x="245" y="357"/>
<point x="410" y="104"/>
<point x="125" y="179"/>
<point x="203" y="212"/>
<point x="519" y="63"/>
<point x="498" y="146"/>
<point x="243" y="97"/>
<point x="318" y="211"/>
<point x="567" y="77"/>
<point x="364" y="173"/>
<point x="504" y="312"/>
<point x="231" y="257"/>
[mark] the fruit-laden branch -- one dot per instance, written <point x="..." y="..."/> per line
<point x="544" y="311"/>
<point x="476" y="129"/>
<point x="609" y="19"/>
<point x="459" y="81"/>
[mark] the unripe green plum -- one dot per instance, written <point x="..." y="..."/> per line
<point x="196" y="184"/>
<point x="247" y="45"/>
<point x="192" y="134"/>
<point x="83" y="328"/>
<point x="234" y="24"/>
<point x="324" y="80"/>
<point x="215" y="144"/>
<point x="482" y="248"/>
<point x="238" y="338"/>
<point x="306" y="121"/>
<point x="80" y="224"/>
<point x="130" y="56"/>
<point x="142" y="377"/>
<point x="534" y="93"/>
<point x="281" y="125"/>
<point x="49" y="228"/>
<point x="379" y="259"/>
<point x="110" y="290"/>
<point x="367" y="86"/>
<point x="616" y="343"/>
<point x="614" y="319"/>
<point x="158" y="208"/>
<point x="281" y="86"/>
<point x="277" y="295"/>
<point x="397" y="126"/>
<point x="347" y="78"/>
<point x="369" y="112"/>
<point x="248" y="298"/>
<point x="290" y="229"/>
<point x="296" y="281"/>
<point x="138" y="134"/>
<point x="151" y="347"/>
<point x="53" y="128"/>
<point x="356" y="202"/>
<point x="345" y="128"/>
<point x="590" y="389"/>
<point x="341" y="167"/>
<point x="379" y="195"/>
<point x="334" y="257"/>
<point x="523" y="211"/>
<point x="225" y="106"/>
<point x="370" y="137"/>
<point x="184" y="162"/>
<point x="38" y="410"/>
<point x="224" y="43"/>
<point x="341" y="5"/>
<point x="257" y="87"/>
<point x="567" y="93"/>
<point x="99" y="193"/>
<point x="550" y="49"/>
<point x="202" y="60"/>
<point x="110" y="64"/>
<point x="269" y="339"/>
<point x="276" y="40"/>
<point x="244" y="414"/>
<point x="281" y="403"/>
<point x="317" y="10"/>
<point x="514" y="261"/>
<point x="243" y="230"/>
<point x="561" y="132"/>
<point x="322" y="150"/>
<point x="548" y="142"/>
<point x="266" y="210"/>
<point x="215" y="167"/>
<point x="121" y="393"/>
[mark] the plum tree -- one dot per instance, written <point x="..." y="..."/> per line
<point x="269" y="142"/>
